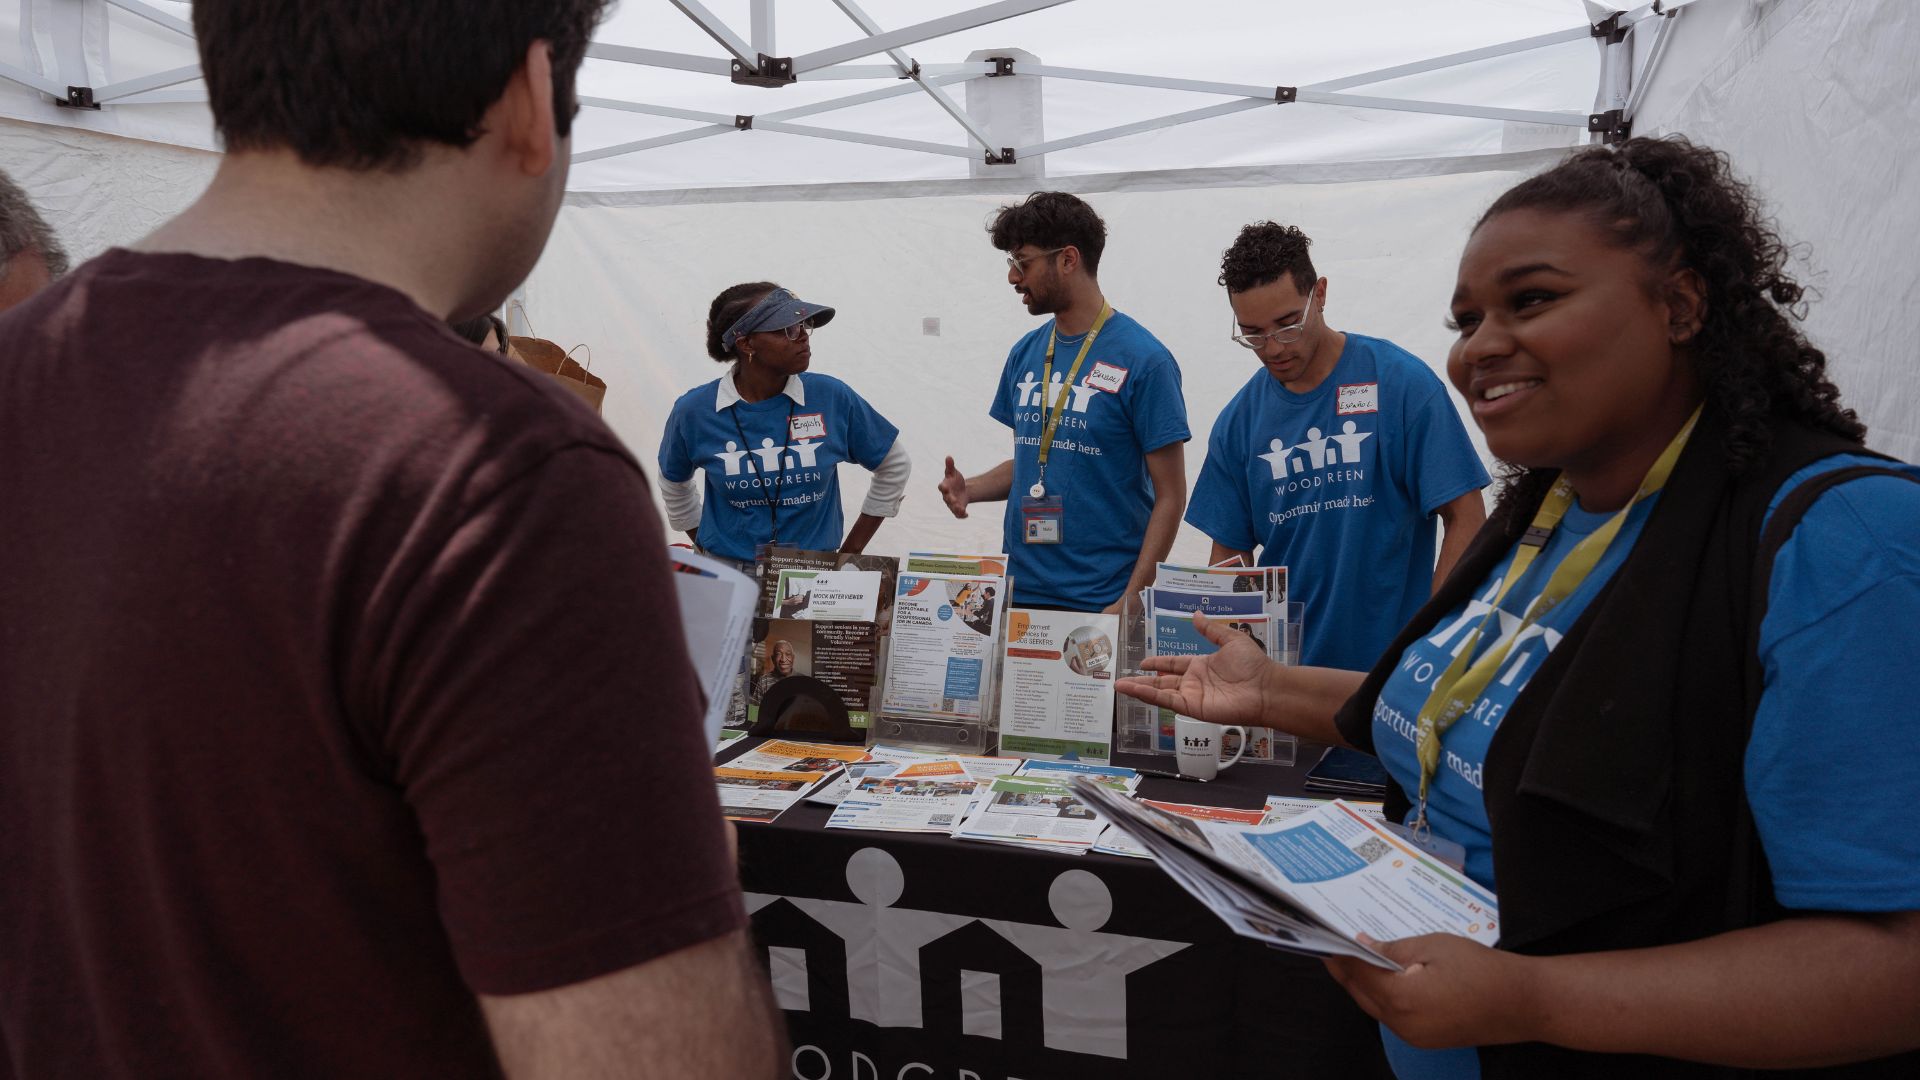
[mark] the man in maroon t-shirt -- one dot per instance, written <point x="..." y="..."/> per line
<point x="346" y="725"/>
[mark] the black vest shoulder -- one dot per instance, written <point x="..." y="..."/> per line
<point x="1614" y="785"/>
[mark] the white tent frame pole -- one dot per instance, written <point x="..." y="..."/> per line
<point x="717" y="30"/>
<point x="719" y="124"/>
<point x="31" y="81"/>
<point x="157" y="81"/>
<point x="1123" y="79"/>
<point x="918" y="32"/>
<point x="153" y="14"/>
<point x="1106" y="134"/>
<point x="1655" y="52"/>
<point x="627" y="54"/>
<point x="889" y="71"/>
<point x="761" y="34"/>
<point x="911" y="69"/>
<point x="1540" y="41"/>
<point x="1443" y="108"/>
<point x="838" y="135"/>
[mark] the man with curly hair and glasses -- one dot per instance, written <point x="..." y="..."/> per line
<point x="1337" y="460"/>
<point x="347" y="727"/>
<point x="30" y="255"/>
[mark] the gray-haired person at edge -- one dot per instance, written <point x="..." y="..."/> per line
<point x="1652" y="701"/>
<point x="31" y="256"/>
<point x="324" y="748"/>
<point x="765" y="440"/>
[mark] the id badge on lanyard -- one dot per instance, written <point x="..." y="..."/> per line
<point x="1042" y="519"/>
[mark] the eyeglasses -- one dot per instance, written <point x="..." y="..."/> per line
<point x="1285" y="335"/>
<point x="1019" y="265"/>
<point x="795" y="332"/>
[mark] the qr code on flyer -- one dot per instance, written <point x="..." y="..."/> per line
<point x="1372" y="848"/>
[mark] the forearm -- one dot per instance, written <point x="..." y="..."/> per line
<point x="862" y="533"/>
<point x="1304" y="700"/>
<point x="1460" y="521"/>
<point x="1162" y="525"/>
<point x="1222" y="553"/>
<point x="1798" y="993"/>
<point x="992" y="485"/>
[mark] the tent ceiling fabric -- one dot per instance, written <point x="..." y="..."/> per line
<point x="134" y="47"/>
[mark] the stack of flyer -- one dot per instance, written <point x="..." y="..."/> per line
<point x="716" y="612"/>
<point x="948" y="612"/>
<point x="1312" y="883"/>
<point x="1035" y="808"/>
<point x="762" y="783"/>
<point x="1115" y="841"/>
<point x="1056" y="687"/>
<point x="928" y="795"/>
<point x="1248" y="599"/>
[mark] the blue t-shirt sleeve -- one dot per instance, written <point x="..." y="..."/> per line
<point x="1439" y="457"/>
<point x="1157" y="404"/>
<point x="869" y="435"/>
<point x="1834" y="742"/>
<point x="1002" y="407"/>
<point x="676" y="464"/>
<point x="1219" y="505"/>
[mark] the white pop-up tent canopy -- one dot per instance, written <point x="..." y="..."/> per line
<point x="853" y="149"/>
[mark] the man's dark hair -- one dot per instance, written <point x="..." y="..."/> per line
<point x="22" y="229"/>
<point x="363" y="84"/>
<point x="1262" y="252"/>
<point x="475" y="330"/>
<point x="1051" y="219"/>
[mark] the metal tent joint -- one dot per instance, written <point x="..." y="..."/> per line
<point x="770" y="71"/>
<point x="1612" y="126"/>
<point x="79" y="97"/>
<point x="742" y="122"/>
<point x="1006" y="156"/>
<point x="1286" y="95"/>
<point x="1002" y="66"/>
<point x="1613" y="29"/>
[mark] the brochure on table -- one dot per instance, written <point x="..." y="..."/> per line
<point x="1312" y="883"/>
<point x="1035" y="808"/>
<point x="821" y="621"/>
<point x="716" y="614"/>
<point x="1115" y="841"/>
<point x="942" y="658"/>
<point x="1056" y="690"/>
<point x="928" y="796"/>
<point x="761" y="794"/>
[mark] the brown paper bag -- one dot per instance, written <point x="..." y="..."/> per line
<point x="543" y="355"/>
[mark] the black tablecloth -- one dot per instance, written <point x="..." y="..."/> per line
<point x="1031" y="964"/>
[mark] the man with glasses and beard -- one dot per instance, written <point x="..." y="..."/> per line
<point x="1335" y="461"/>
<point x="1097" y="479"/>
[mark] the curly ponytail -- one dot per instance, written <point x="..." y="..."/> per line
<point x="1678" y="203"/>
<point x="726" y="309"/>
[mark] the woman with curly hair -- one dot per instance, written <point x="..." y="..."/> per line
<point x="1634" y="701"/>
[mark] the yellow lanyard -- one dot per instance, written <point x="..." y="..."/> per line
<point x="1465" y="679"/>
<point x="1052" y="426"/>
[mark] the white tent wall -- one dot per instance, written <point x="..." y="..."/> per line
<point x="100" y="190"/>
<point x="635" y="281"/>
<point x="1818" y="104"/>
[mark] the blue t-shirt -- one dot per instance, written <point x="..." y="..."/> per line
<point x="833" y="425"/>
<point x="1124" y="404"/>
<point x="1839" y="620"/>
<point x="1339" y="485"/>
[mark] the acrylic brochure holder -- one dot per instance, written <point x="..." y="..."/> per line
<point x="978" y="735"/>
<point x="1140" y="728"/>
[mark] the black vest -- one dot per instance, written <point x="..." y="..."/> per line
<point x="1614" y="785"/>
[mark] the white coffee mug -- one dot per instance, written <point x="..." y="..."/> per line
<point x="1196" y="747"/>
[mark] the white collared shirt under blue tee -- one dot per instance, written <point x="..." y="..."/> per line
<point x="1834" y="740"/>
<point x="795" y="442"/>
<point x="1340" y="485"/>
<point x="1125" y="403"/>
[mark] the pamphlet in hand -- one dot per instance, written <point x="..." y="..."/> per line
<point x="1312" y="883"/>
<point x="1282" y="807"/>
<point x="1115" y="840"/>
<point x="761" y="795"/>
<point x="716" y="612"/>
<point x="1056" y="692"/>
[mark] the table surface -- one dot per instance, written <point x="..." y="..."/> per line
<point x="1223" y="1006"/>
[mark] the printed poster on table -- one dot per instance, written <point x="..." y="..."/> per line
<point x="1056" y="691"/>
<point x="940" y="662"/>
